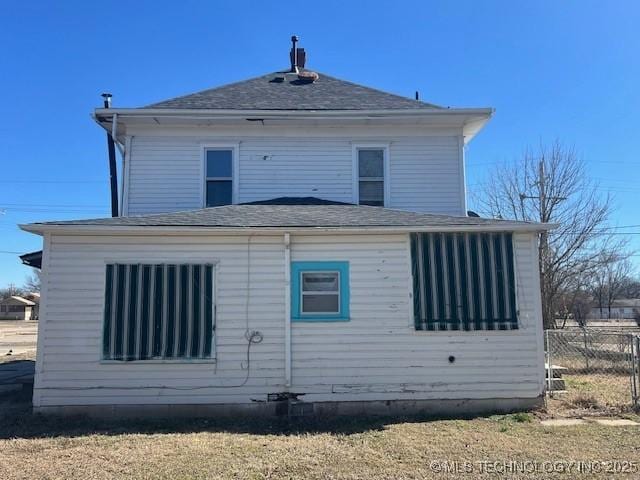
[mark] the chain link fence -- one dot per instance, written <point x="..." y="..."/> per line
<point x="592" y="369"/>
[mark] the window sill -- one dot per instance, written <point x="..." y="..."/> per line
<point x="320" y="319"/>
<point x="158" y="361"/>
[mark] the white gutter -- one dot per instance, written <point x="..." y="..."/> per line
<point x="217" y="113"/>
<point x="287" y="309"/>
<point x="114" y="131"/>
<point x="201" y="230"/>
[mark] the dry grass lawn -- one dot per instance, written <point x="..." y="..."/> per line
<point x="588" y="395"/>
<point x="33" y="447"/>
<point x="36" y="447"/>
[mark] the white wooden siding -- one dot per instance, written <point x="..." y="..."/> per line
<point x="376" y="355"/>
<point x="72" y="327"/>
<point x="165" y="172"/>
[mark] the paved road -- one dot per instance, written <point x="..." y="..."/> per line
<point x="17" y="336"/>
<point x="16" y="372"/>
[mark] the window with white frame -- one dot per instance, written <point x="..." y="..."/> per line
<point x="320" y="292"/>
<point x="371" y="176"/>
<point x="218" y="177"/>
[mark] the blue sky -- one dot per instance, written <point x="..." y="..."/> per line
<point x="567" y="70"/>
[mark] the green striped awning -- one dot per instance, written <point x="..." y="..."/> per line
<point x="161" y="311"/>
<point x="463" y="281"/>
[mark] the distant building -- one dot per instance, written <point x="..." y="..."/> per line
<point x="18" y="308"/>
<point x="35" y="298"/>
<point x="621" y="309"/>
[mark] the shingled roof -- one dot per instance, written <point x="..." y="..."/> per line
<point x="284" y="91"/>
<point x="303" y="213"/>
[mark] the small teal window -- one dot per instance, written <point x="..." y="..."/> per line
<point x="320" y="291"/>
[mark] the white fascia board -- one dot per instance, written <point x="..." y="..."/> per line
<point x="216" y="113"/>
<point x="180" y="230"/>
<point x="470" y="120"/>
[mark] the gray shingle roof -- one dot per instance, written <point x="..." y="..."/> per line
<point x="283" y="91"/>
<point x="292" y="215"/>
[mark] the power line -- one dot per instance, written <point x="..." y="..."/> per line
<point x="75" y="205"/>
<point x="51" y="181"/>
<point x="597" y="187"/>
<point x="592" y="162"/>
<point x="595" y="233"/>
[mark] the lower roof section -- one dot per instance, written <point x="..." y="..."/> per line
<point x="32" y="259"/>
<point x="288" y="214"/>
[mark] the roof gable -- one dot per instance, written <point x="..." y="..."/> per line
<point x="284" y="91"/>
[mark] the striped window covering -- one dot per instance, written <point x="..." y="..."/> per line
<point x="463" y="281"/>
<point x="162" y="311"/>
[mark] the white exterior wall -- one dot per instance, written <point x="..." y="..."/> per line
<point x="165" y="167"/>
<point x="376" y="355"/>
<point x="70" y="348"/>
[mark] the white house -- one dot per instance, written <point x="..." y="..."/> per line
<point x="16" y="307"/>
<point x="290" y="243"/>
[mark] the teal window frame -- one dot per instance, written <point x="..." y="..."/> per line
<point x="297" y="269"/>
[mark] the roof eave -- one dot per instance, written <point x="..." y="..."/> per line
<point x="471" y="120"/>
<point x="41" y="229"/>
<point x="168" y="112"/>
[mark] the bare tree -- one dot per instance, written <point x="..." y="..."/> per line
<point x="610" y="275"/>
<point x="8" y="291"/>
<point x="581" y="307"/>
<point x="630" y="288"/>
<point x="32" y="282"/>
<point x="550" y="185"/>
<point x="574" y="301"/>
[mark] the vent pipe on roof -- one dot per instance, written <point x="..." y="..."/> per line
<point x="294" y="54"/>
<point x="113" y="170"/>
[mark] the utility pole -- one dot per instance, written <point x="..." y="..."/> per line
<point x="543" y="247"/>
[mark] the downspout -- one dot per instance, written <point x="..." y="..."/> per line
<point x="287" y="309"/>
<point x="113" y="170"/>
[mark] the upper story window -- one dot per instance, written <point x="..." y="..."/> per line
<point x="372" y="181"/>
<point x="218" y="177"/>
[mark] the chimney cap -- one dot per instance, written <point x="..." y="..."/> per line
<point x="294" y="54"/>
<point x="107" y="99"/>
